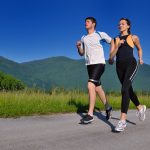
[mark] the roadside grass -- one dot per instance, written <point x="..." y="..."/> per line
<point x="26" y="103"/>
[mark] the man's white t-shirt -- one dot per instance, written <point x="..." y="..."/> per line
<point x="91" y="43"/>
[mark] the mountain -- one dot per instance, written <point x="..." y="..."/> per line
<point x="68" y="73"/>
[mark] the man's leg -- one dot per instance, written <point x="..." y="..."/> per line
<point x="92" y="97"/>
<point x="103" y="98"/>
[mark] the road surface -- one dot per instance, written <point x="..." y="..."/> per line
<point x="63" y="132"/>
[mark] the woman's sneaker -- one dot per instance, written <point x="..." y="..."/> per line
<point x="121" y="126"/>
<point x="87" y="119"/>
<point x="141" y="113"/>
<point x="108" y="113"/>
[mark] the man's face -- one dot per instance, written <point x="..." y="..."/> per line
<point x="89" y="24"/>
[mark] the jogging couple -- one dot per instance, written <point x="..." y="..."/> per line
<point x="121" y="47"/>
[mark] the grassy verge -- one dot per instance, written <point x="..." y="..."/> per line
<point x="15" y="104"/>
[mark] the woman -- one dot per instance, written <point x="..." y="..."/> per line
<point x="126" y="67"/>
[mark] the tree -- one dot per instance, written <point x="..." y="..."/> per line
<point x="7" y="82"/>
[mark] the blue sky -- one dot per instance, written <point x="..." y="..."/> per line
<point x="37" y="29"/>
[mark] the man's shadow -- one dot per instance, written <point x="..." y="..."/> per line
<point x="102" y="117"/>
<point x="82" y="109"/>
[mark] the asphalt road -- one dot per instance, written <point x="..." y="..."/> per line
<point x="63" y="132"/>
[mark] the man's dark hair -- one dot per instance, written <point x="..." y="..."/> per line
<point x="92" y="19"/>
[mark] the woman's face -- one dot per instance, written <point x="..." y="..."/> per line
<point x="123" y="26"/>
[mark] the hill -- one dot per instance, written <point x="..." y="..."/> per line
<point x="68" y="73"/>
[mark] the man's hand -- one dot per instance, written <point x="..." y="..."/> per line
<point x="110" y="61"/>
<point x="78" y="44"/>
<point x="80" y="49"/>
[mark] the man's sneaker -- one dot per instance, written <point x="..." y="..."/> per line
<point x="87" y="119"/>
<point x="121" y="126"/>
<point x="108" y="113"/>
<point x="141" y="113"/>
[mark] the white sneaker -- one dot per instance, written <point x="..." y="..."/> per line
<point x="121" y="126"/>
<point x="141" y="113"/>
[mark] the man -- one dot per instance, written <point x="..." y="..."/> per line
<point x="91" y="47"/>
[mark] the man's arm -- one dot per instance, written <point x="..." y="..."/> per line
<point x="80" y="49"/>
<point x="113" y="50"/>
<point x="109" y="40"/>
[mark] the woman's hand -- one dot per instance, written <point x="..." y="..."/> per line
<point x="121" y="42"/>
<point x="141" y="62"/>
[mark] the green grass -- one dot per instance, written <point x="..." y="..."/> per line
<point x="25" y="103"/>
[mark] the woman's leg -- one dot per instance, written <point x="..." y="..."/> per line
<point x="121" y="75"/>
<point x="126" y="77"/>
<point x="125" y="99"/>
<point x="141" y="108"/>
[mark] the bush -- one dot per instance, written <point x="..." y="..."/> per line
<point x="8" y="82"/>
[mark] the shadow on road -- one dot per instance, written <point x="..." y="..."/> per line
<point x="128" y="121"/>
<point x="81" y="109"/>
<point x="101" y="117"/>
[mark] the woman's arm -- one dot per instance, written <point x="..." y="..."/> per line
<point x="115" y="44"/>
<point x="114" y="47"/>
<point x="138" y="46"/>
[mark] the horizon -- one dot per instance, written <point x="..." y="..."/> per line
<point x="52" y="57"/>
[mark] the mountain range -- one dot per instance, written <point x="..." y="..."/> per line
<point x="68" y="73"/>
